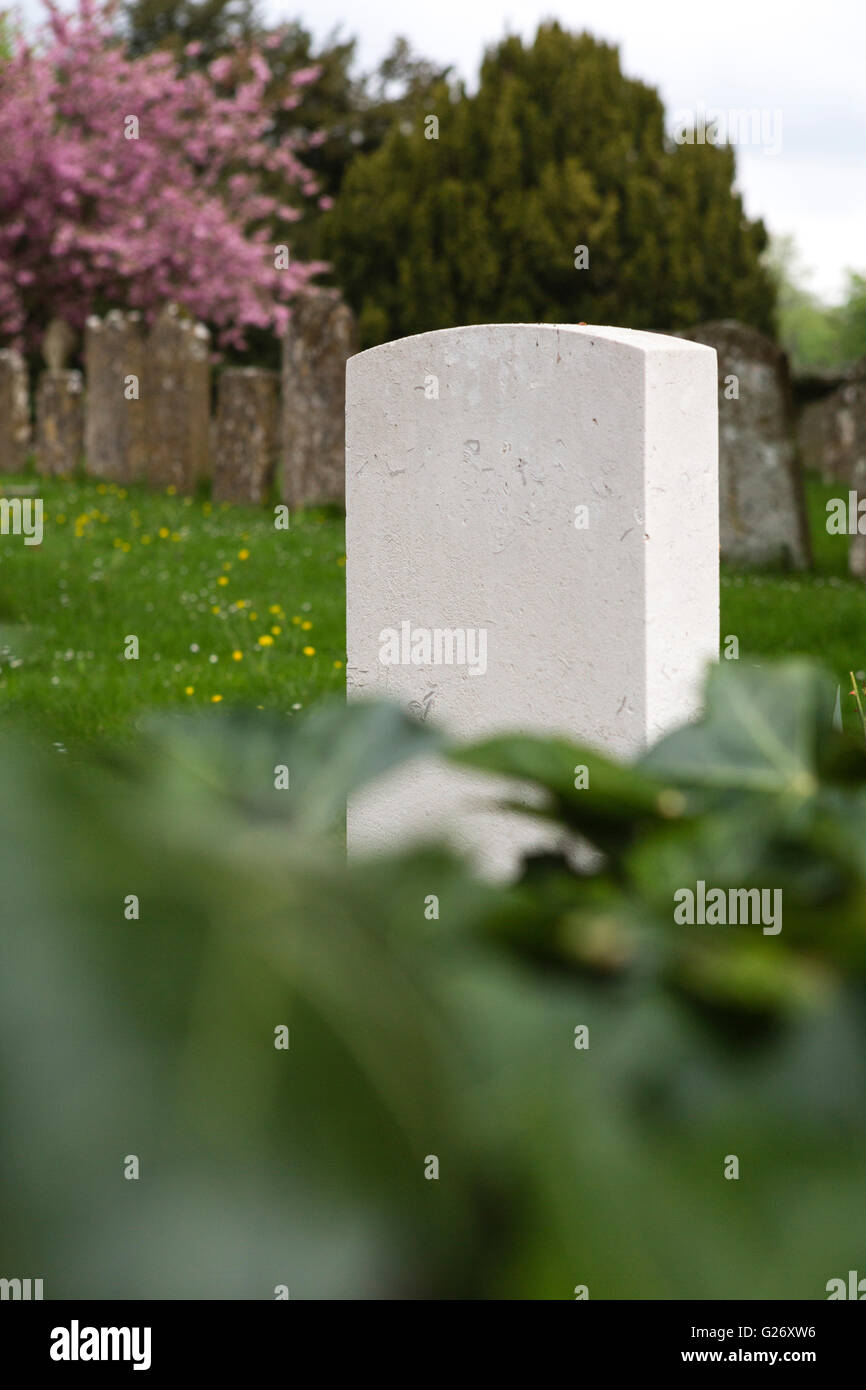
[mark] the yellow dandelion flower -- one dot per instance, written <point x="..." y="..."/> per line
<point x="275" y="608"/>
<point x="215" y="699"/>
<point x="237" y="656"/>
<point x="223" y="580"/>
<point x="338" y="665"/>
<point x="296" y="620"/>
<point x="216" y="608"/>
<point x="342" y="560"/>
<point x="227" y="564"/>
<point x="309" y="651"/>
<point x="145" y="540"/>
<point x="163" y="533"/>
<point x="266" y="640"/>
<point x="305" y="627"/>
<point x="175" y="535"/>
<point x="190" y="690"/>
<point x="254" y="617"/>
<point x="243" y="554"/>
<point x="171" y="490"/>
<point x="276" y="630"/>
<point x="102" y="489"/>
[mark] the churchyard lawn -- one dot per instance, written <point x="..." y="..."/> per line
<point x="229" y="611"/>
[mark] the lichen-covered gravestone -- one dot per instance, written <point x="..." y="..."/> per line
<point x="762" y="513"/>
<point x="115" y="433"/>
<point x="177" y="402"/>
<point x="246" y="434"/>
<point x="855" y="406"/>
<point x="319" y="341"/>
<point x="59" y="405"/>
<point x="59" y="422"/>
<point x="830" y="430"/>
<point x="14" y="411"/>
<point x="532" y="543"/>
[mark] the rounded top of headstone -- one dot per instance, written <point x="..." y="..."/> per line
<point x="635" y="340"/>
<point x="58" y="341"/>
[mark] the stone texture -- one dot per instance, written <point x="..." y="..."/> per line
<point x="14" y="411"/>
<point x="177" y="402"/>
<point x="761" y="499"/>
<point x="320" y="340"/>
<point x="828" y="430"/>
<point x="246" y="436"/>
<point x="855" y="408"/>
<point x="59" y="422"/>
<point x="58" y="343"/>
<point x="467" y="452"/>
<point x="115" y="429"/>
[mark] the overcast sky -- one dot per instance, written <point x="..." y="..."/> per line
<point x="803" y="60"/>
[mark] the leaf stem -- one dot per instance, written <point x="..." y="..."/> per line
<point x="856" y="693"/>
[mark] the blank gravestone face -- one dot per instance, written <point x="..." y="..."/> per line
<point x="532" y="544"/>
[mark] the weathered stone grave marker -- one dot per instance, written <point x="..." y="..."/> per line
<point x="177" y="408"/>
<point x="762" y="510"/>
<point x="532" y="543"/>
<point x="115" y="432"/>
<point x="320" y="339"/>
<point x="59" y="405"/>
<point x="246" y="434"/>
<point x="59" y="422"/>
<point x="14" y="411"/>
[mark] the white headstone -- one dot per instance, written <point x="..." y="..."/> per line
<point x="540" y="503"/>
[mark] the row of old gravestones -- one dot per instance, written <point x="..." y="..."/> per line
<point x="831" y="433"/>
<point x="145" y="415"/>
<point x="166" y="437"/>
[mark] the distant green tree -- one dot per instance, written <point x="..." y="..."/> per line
<point x="853" y="318"/>
<point x="815" y="334"/>
<point x="214" y="24"/>
<point x="556" y="150"/>
<point x="809" y="330"/>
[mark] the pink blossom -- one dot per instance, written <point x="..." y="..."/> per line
<point x="89" y="216"/>
<point x="304" y="76"/>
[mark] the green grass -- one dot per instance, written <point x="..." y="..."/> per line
<point x="821" y="614"/>
<point x="116" y="562"/>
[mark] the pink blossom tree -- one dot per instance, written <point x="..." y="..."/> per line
<point x="128" y="183"/>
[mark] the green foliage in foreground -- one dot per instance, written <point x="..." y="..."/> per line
<point x="452" y="1037"/>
